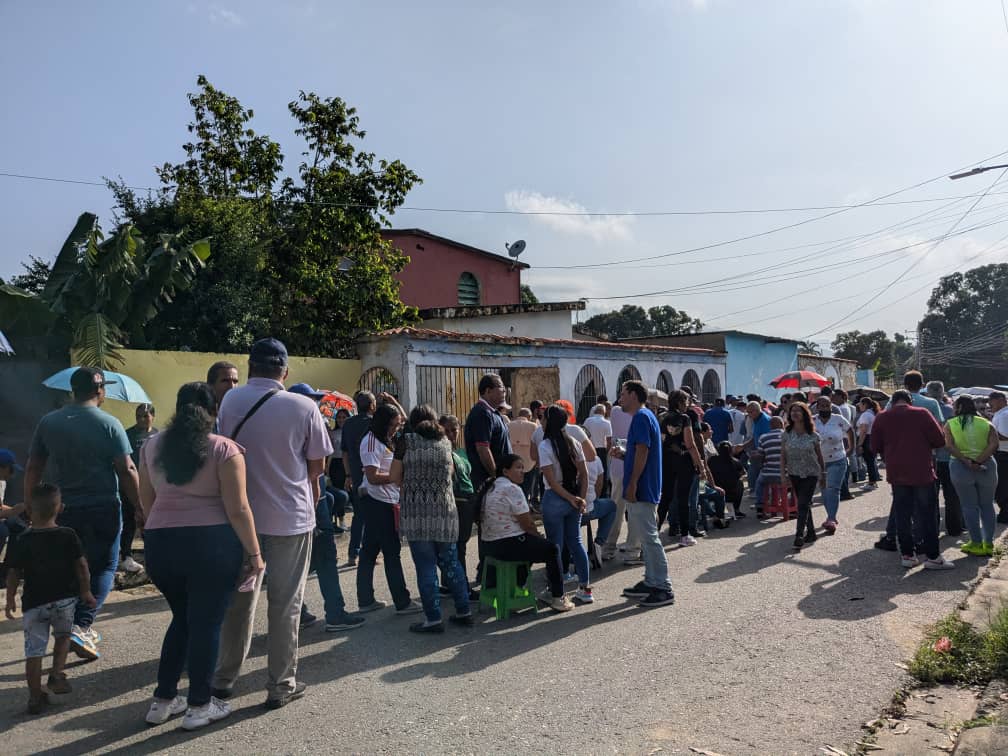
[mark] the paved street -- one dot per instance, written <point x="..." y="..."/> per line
<point x="764" y="652"/>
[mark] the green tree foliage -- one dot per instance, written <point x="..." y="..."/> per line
<point x="101" y="292"/>
<point x="528" y="296"/>
<point x="278" y="241"/>
<point x="36" y="273"/>
<point x="631" y="321"/>
<point x="809" y="347"/>
<point x="963" y="333"/>
<point x="874" y="350"/>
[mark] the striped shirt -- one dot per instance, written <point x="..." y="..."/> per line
<point x="770" y="443"/>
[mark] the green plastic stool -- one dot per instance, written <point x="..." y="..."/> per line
<point x="507" y="596"/>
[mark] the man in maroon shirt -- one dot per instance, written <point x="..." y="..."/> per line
<point x="906" y="436"/>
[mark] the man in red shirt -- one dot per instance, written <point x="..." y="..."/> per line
<point x="906" y="437"/>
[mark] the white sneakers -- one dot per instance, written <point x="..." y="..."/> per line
<point x="195" y="716"/>
<point x="161" y="710"/>
<point x="130" y="565"/>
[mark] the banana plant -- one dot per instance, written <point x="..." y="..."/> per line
<point x="102" y="292"/>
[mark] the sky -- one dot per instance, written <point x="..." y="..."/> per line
<point x="551" y="110"/>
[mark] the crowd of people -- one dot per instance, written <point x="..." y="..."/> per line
<point x="253" y="487"/>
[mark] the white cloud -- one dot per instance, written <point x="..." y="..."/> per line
<point x="222" y="15"/>
<point x="599" y="228"/>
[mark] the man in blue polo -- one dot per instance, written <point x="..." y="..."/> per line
<point x="720" y="421"/>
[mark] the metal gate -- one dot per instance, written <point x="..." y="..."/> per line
<point x="587" y="387"/>
<point x="378" y="380"/>
<point x="692" y="380"/>
<point x="665" y="382"/>
<point x="711" y="387"/>
<point x="450" y="390"/>
<point x="629" y="373"/>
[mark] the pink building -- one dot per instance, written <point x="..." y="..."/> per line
<point x="446" y="273"/>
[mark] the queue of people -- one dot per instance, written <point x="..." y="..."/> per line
<point x="237" y="481"/>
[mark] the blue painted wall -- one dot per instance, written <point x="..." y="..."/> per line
<point x="753" y="363"/>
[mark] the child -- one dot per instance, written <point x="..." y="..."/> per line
<point x="55" y="572"/>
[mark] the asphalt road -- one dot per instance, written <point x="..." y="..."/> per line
<point x="764" y="652"/>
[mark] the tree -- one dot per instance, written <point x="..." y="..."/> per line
<point x="963" y="334"/>
<point x="874" y="350"/>
<point x="632" y="321"/>
<point x="101" y="292"/>
<point x="278" y="244"/>
<point x="36" y="273"/>
<point x="809" y="347"/>
<point x="528" y="296"/>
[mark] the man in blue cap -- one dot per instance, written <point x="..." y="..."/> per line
<point x="88" y="455"/>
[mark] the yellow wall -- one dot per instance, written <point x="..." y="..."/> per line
<point x="161" y="374"/>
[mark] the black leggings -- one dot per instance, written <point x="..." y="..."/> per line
<point x="677" y="482"/>
<point x="804" y="489"/>
<point x="530" y="548"/>
<point x="869" y="459"/>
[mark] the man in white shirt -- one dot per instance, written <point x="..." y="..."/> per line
<point x="600" y="431"/>
<point x="620" y="424"/>
<point x="738" y="418"/>
<point x="836" y="438"/>
<point x="999" y="406"/>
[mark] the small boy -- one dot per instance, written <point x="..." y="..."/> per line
<point x="51" y="559"/>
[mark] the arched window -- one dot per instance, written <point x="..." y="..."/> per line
<point x="692" y="380"/>
<point x="378" y="379"/>
<point x="629" y="373"/>
<point x="588" y="385"/>
<point x="711" y="387"/>
<point x="665" y="382"/>
<point x="468" y="289"/>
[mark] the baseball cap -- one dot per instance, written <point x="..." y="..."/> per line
<point x="306" y="390"/>
<point x="7" y="459"/>
<point x="270" y="352"/>
<point x="87" y="380"/>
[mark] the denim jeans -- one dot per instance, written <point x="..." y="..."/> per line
<point x="339" y="503"/>
<point x="356" y="526"/>
<point x="836" y="471"/>
<point x="870" y="459"/>
<point x="914" y="507"/>
<point x="644" y="523"/>
<point x="764" y="479"/>
<point x="954" y="524"/>
<point x="98" y="524"/>
<point x="976" y="498"/>
<point x="428" y="556"/>
<point x="563" y="527"/>
<point x="622" y="507"/>
<point x="753" y="469"/>
<point x="604" y="511"/>
<point x="380" y="535"/>
<point x="712" y="502"/>
<point x="198" y="588"/>
<point x="325" y="563"/>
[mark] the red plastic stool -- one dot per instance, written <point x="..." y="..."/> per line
<point x="778" y="499"/>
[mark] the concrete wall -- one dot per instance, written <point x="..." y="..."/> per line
<point x="754" y="361"/>
<point x="161" y="374"/>
<point x="431" y="277"/>
<point x="843" y="372"/>
<point x="535" y="325"/>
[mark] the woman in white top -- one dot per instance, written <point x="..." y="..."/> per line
<point x="509" y="534"/>
<point x="563" y="466"/>
<point x="869" y="411"/>
<point x="378" y="506"/>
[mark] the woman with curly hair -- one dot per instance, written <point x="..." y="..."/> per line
<point x="802" y="467"/>
<point x="200" y="542"/>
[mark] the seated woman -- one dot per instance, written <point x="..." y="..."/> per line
<point x="727" y="473"/>
<point x="510" y="534"/>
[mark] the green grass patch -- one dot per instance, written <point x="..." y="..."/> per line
<point x="954" y="652"/>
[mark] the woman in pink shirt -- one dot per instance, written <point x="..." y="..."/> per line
<point x="199" y="542"/>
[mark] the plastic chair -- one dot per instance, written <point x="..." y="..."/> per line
<point x="779" y="499"/>
<point x="507" y="595"/>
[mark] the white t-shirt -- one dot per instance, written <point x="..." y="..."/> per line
<point x="599" y="429"/>
<point x="373" y="453"/>
<point x="594" y="471"/>
<point x="1000" y="422"/>
<point x="503" y="502"/>
<point x="738" y="419"/>
<point x="831" y="436"/>
<point x="547" y="457"/>
<point x="620" y="422"/>
<point x="865" y="422"/>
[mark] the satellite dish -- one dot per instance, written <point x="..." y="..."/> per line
<point x="515" y="249"/>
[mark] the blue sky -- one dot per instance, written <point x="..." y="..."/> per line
<point x="646" y="105"/>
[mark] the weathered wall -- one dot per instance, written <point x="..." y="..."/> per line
<point x="843" y="372"/>
<point x="535" y="325"/>
<point x="754" y="361"/>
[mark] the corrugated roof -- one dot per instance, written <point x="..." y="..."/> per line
<point x="487" y="338"/>
<point x="502" y="259"/>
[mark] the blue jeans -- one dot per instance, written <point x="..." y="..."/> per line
<point x="644" y="524"/>
<point x="976" y="498"/>
<point x="428" y="556"/>
<point x="356" y="526"/>
<point x="712" y="502"/>
<point x="835" y="473"/>
<point x="196" y="569"/>
<point x="563" y="526"/>
<point x="605" y="512"/>
<point x="915" y="510"/>
<point x="98" y="524"/>
<point x="326" y="564"/>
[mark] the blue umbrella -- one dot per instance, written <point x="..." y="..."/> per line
<point x="125" y="388"/>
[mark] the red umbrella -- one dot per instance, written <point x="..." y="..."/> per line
<point x="333" y="401"/>
<point x="799" y="379"/>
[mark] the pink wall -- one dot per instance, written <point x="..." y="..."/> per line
<point x="431" y="277"/>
